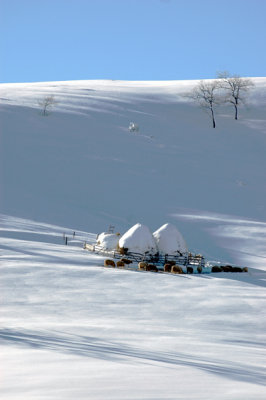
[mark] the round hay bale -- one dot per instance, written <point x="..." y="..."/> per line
<point x="167" y="267"/>
<point x="109" y="263"/>
<point x="176" y="269"/>
<point x="190" y="270"/>
<point x="142" y="265"/>
<point x="199" y="269"/>
<point x="120" y="264"/>
<point x="245" y="269"/>
<point x="126" y="261"/>
<point x="215" y="268"/>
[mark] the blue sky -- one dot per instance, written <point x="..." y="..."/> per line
<point x="51" y="40"/>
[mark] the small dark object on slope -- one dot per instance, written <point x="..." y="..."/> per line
<point x="123" y="250"/>
<point x="142" y="265"/>
<point x="215" y="268"/>
<point x="176" y="269"/>
<point x="120" y="264"/>
<point x="167" y="267"/>
<point x="151" y="268"/>
<point x="109" y="263"/>
<point x="237" y="269"/>
<point x="226" y="268"/>
<point x="126" y="261"/>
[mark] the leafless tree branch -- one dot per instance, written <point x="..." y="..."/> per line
<point x="46" y="103"/>
<point x="206" y="95"/>
<point x="235" y="88"/>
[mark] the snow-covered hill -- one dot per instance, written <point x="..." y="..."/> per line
<point x="73" y="329"/>
<point x="81" y="167"/>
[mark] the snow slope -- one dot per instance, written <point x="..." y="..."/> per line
<point x="81" y="167"/>
<point x="73" y="329"/>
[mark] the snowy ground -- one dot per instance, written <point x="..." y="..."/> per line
<point x="73" y="329"/>
<point x="81" y="167"/>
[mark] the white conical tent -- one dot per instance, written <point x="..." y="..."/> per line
<point x="138" y="239"/>
<point x="169" y="240"/>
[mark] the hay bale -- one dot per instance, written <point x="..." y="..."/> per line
<point x="245" y="269"/>
<point x="169" y="240"/>
<point x="215" y="268"/>
<point x="107" y="241"/>
<point x="190" y="270"/>
<point x="152" y="268"/>
<point x="167" y="267"/>
<point x="120" y="264"/>
<point x="199" y="269"/>
<point x="138" y="239"/>
<point x="176" y="269"/>
<point x="142" y="265"/>
<point x="126" y="261"/>
<point x="109" y="263"/>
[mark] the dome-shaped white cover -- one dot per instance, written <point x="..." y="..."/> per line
<point x="169" y="240"/>
<point x="108" y="241"/>
<point x="138" y="239"/>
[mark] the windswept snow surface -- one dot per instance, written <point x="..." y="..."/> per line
<point x="72" y="329"/>
<point x="80" y="166"/>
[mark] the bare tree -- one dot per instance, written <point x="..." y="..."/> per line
<point x="46" y="103"/>
<point x="235" y="87"/>
<point x="205" y="93"/>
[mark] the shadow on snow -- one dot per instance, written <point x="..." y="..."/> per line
<point x="92" y="347"/>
